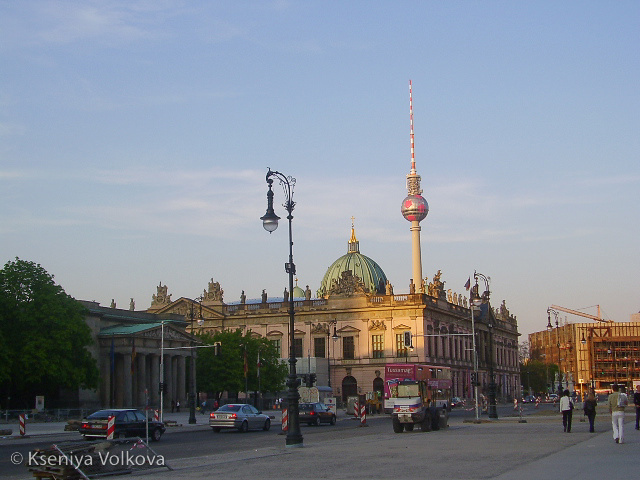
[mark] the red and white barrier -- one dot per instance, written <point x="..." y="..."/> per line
<point x="285" y="420"/>
<point x="363" y="415"/>
<point x="22" y="427"/>
<point x="111" y="427"/>
<point x="515" y="403"/>
<point x="156" y="415"/>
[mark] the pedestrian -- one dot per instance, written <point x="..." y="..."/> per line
<point x="566" y="407"/>
<point x="178" y="406"/>
<point x="590" y="410"/>
<point x="617" y="401"/>
<point x="636" y="402"/>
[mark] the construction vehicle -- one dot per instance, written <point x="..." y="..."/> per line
<point x="412" y="406"/>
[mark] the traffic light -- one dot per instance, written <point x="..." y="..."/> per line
<point x="407" y="339"/>
<point x="312" y="379"/>
<point x="474" y="379"/>
<point x="161" y="387"/>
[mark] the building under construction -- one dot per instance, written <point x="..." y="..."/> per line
<point x="589" y="355"/>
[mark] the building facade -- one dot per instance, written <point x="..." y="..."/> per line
<point x="590" y="355"/>
<point x="369" y="321"/>
<point x="133" y="349"/>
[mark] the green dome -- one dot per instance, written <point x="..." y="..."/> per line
<point x="365" y="275"/>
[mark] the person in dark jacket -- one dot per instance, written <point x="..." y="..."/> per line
<point x="636" y="402"/>
<point x="590" y="410"/>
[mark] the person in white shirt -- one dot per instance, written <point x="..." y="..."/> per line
<point x="566" y="407"/>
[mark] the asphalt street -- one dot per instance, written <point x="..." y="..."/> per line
<point x="494" y="449"/>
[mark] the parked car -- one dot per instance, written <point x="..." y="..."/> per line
<point x="553" y="397"/>
<point x="239" y="416"/>
<point x="315" y="414"/>
<point x="129" y="422"/>
<point x="529" y="399"/>
<point x="457" y="402"/>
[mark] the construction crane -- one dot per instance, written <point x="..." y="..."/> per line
<point x="581" y="314"/>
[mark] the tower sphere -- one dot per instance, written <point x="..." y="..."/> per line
<point x="415" y="208"/>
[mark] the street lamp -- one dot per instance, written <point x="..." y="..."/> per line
<point x="270" y="223"/>
<point x="335" y="338"/>
<point x="549" y="328"/>
<point x="473" y="305"/>
<point x="192" y="368"/>
<point x="493" y="412"/>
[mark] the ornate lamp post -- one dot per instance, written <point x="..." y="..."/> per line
<point x="270" y="223"/>
<point x="549" y="328"/>
<point x="479" y="300"/>
<point x="335" y="338"/>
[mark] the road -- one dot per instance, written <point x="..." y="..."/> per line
<point x="178" y="445"/>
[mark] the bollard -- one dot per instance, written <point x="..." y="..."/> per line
<point x="285" y="420"/>
<point x="111" y="427"/>
<point x="363" y="415"/>
<point x="156" y="415"/>
<point x="22" y="425"/>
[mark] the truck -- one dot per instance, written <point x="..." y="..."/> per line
<point x="436" y="377"/>
<point x="412" y="406"/>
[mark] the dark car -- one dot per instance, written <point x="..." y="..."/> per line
<point x="239" y="416"/>
<point x="315" y="414"/>
<point x="129" y="422"/>
<point x="457" y="402"/>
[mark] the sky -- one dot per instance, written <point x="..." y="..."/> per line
<point x="135" y="137"/>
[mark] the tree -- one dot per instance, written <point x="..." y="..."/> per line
<point x="43" y="335"/>
<point x="535" y="375"/>
<point x="226" y="371"/>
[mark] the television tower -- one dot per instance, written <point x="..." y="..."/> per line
<point x="414" y="207"/>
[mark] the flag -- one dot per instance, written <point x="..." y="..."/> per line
<point x="133" y="354"/>
<point x="246" y="364"/>
<point x="468" y="284"/>
<point x="112" y="356"/>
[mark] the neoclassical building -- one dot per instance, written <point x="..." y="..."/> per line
<point x="129" y="347"/>
<point x="356" y="301"/>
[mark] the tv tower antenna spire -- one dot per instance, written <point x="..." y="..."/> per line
<point x="414" y="207"/>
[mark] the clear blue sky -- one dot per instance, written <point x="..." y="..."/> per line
<point x="135" y="137"/>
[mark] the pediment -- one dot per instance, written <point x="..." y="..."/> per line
<point x="348" y="329"/>
<point x="275" y="333"/>
<point x="402" y="326"/>
<point x="299" y="332"/>
<point x="182" y="306"/>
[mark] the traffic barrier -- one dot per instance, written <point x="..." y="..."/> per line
<point x="156" y="415"/>
<point x="356" y="409"/>
<point x="285" y="420"/>
<point x="111" y="427"/>
<point x="515" y="403"/>
<point x="22" y="427"/>
<point x="363" y="415"/>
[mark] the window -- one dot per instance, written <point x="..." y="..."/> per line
<point x="377" y="346"/>
<point x="401" y="348"/>
<point x="297" y="347"/>
<point x="319" y="347"/>
<point x="348" y="348"/>
<point x="278" y="346"/>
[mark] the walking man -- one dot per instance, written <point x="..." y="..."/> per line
<point x="636" y="402"/>
<point x="617" y="401"/>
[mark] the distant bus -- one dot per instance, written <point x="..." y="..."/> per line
<point x="437" y="378"/>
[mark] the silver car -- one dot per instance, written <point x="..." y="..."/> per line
<point x="240" y="416"/>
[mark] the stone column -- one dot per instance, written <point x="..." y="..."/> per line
<point x="105" y="379"/>
<point x="118" y="387"/>
<point x="142" y="378"/>
<point x="155" y="379"/>
<point x="181" y="378"/>
<point x="168" y="378"/>
<point x="127" y="381"/>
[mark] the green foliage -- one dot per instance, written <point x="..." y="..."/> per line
<point x="225" y="372"/>
<point x="537" y="375"/>
<point x="43" y="335"/>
